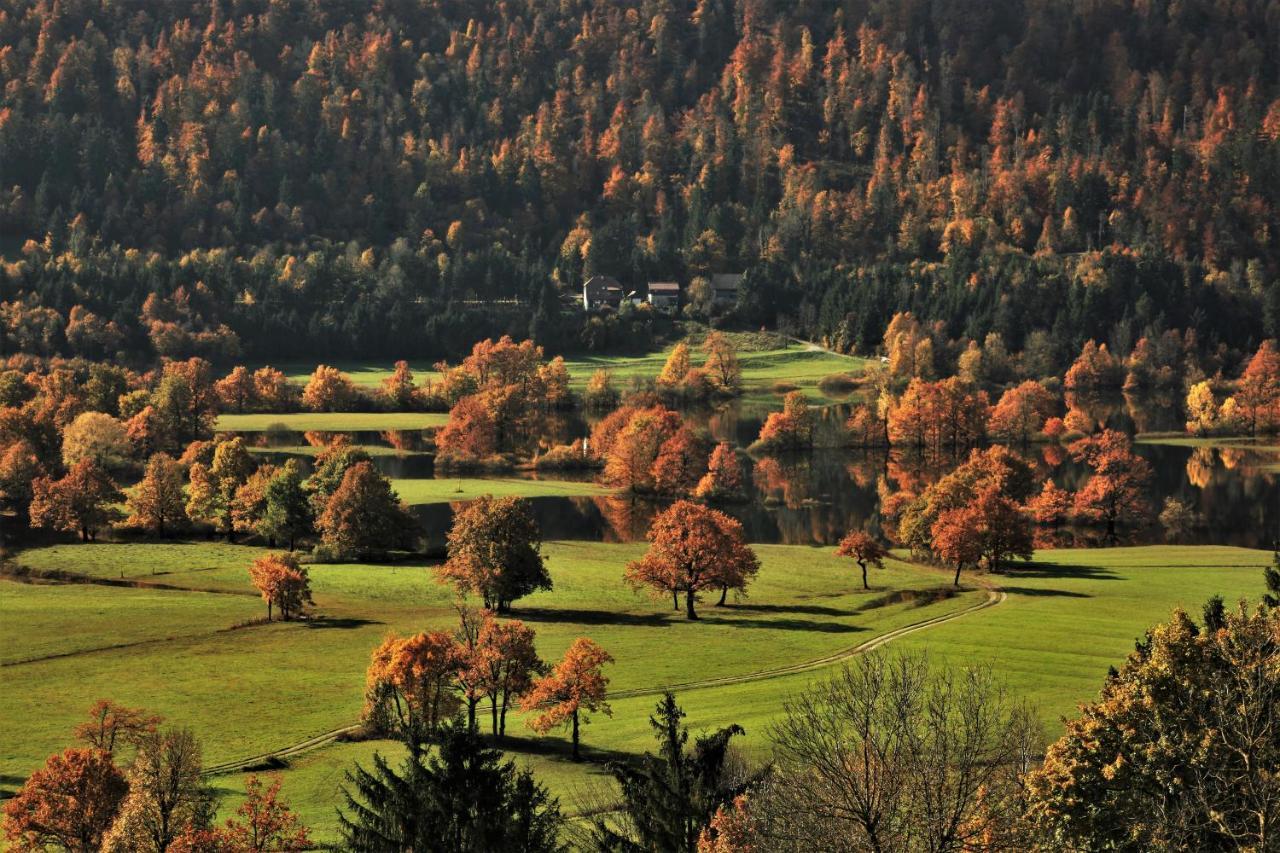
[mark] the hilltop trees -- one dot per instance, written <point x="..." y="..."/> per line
<point x="573" y="688"/>
<point x="495" y="552"/>
<point x="693" y="549"/>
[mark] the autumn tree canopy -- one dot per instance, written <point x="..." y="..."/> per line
<point x="693" y="549"/>
<point x="495" y="551"/>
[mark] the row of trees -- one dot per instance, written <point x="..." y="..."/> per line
<point x="415" y="685"/>
<point x="985" y="510"/>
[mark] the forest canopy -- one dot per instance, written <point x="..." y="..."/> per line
<point x="400" y="178"/>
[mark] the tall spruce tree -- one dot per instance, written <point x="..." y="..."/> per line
<point x="462" y="798"/>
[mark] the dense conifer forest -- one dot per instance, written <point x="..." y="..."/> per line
<point x="282" y="178"/>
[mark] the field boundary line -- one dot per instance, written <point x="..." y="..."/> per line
<point x="995" y="596"/>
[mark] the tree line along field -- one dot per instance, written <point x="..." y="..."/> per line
<point x="248" y="691"/>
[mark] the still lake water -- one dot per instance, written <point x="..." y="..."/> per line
<point x="815" y="498"/>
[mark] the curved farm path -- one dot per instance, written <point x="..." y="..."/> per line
<point x="995" y="596"/>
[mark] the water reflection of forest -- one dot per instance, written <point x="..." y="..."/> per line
<point x="816" y="497"/>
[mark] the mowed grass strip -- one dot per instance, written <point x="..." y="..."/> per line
<point x="264" y="687"/>
<point x="332" y="421"/>
<point x="1071" y="614"/>
<point x="39" y="620"/>
<point x="448" y="490"/>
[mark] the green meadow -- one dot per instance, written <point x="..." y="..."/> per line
<point x="187" y="641"/>
<point x="765" y="363"/>
<point x="447" y="490"/>
<point x="332" y="421"/>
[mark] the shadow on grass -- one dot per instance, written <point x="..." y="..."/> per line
<point x="557" y="747"/>
<point x="341" y="623"/>
<point x="1043" y="593"/>
<point x="804" y="609"/>
<point x="718" y="617"/>
<point x="591" y="617"/>
<point x="1059" y="570"/>
<point x="914" y="597"/>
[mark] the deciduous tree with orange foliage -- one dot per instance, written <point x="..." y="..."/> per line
<point x="1116" y="493"/>
<point x="630" y="463"/>
<point x="283" y="582"/>
<point x="398" y="389"/>
<point x="81" y="502"/>
<point x="1258" y="391"/>
<point x="157" y="503"/>
<point x="409" y="685"/>
<point x="680" y="462"/>
<point x="236" y="391"/>
<point x="111" y="725"/>
<point x="575" y="686"/>
<point x="692" y="549"/>
<point x="992" y="527"/>
<point x="329" y="390"/>
<point x="724" y="480"/>
<point x="865" y="550"/>
<point x="68" y="804"/>
<point x="1021" y="412"/>
<point x="790" y="429"/>
<point x="1095" y="369"/>
<point x="495" y="551"/>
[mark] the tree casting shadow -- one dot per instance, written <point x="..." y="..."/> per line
<point x="591" y="617"/>
<point x="1044" y="593"/>
<point x="340" y="623"/>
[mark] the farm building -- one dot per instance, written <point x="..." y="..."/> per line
<point x="664" y="294"/>
<point x="725" y="286"/>
<point x="600" y="291"/>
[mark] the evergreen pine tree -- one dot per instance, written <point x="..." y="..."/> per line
<point x="668" y="798"/>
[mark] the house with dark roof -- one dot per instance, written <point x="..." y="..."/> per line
<point x="725" y="287"/>
<point x="664" y="294"/>
<point x="600" y="291"/>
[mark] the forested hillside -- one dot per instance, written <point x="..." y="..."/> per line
<point x="293" y="177"/>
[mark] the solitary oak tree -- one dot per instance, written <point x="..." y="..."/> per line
<point x="574" y="687"/>
<point x="283" y="582"/>
<point x="693" y="548"/>
<point x="495" y="552"/>
<point x="864" y="549"/>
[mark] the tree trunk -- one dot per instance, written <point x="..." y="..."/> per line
<point x="724" y="591"/>
<point x="863" y="565"/>
<point x="576" y="755"/>
<point x="688" y="603"/>
<point x="268" y="610"/>
<point x="957" y="583"/>
<point x="675" y="599"/>
<point x="493" y="713"/>
<point x="471" y="714"/>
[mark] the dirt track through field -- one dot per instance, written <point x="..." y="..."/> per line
<point x="994" y="597"/>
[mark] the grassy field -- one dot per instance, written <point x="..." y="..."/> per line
<point x="312" y="450"/>
<point x="263" y="687"/>
<point x="332" y="421"/>
<point x="447" y="490"/>
<point x="794" y="364"/>
<point x="260" y="688"/>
